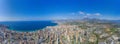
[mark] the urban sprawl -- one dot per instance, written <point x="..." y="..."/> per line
<point x="66" y="32"/>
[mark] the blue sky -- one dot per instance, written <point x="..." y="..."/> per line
<point x="58" y="9"/>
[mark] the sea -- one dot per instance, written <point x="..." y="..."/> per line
<point x="27" y="26"/>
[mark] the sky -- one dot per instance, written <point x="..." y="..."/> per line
<point x="58" y="9"/>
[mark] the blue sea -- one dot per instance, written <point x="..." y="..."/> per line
<point x="27" y="26"/>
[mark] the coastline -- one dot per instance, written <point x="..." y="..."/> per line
<point x="36" y="30"/>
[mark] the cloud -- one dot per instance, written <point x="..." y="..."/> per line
<point x="97" y="14"/>
<point x="87" y="15"/>
<point x="81" y="13"/>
